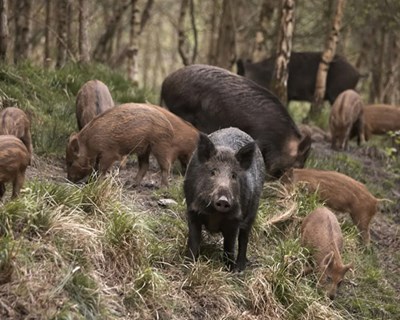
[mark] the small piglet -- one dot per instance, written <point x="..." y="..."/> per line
<point x="14" y="121"/>
<point x="93" y="98"/>
<point x="379" y="119"/>
<point x="222" y="186"/>
<point x="320" y="232"/>
<point x="14" y="158"/>
<point x="347" y="116"/>
<point x="129" y="128"/>
<point x="341" y="193"/>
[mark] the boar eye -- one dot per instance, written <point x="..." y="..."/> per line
<point x="234" y="176"/>
<point x="340" y="283"/>
<point x="329" y="279"/>
<point x="213" y="172"/>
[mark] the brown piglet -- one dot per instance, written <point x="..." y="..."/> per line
<point x="14" y="121"/>
<point x="380" y="118"/>
<point x="321" y="233"/>
<point x="340" y="193"/>
<point x="346" y="117"/>
<point x="93" y="98"/>
<point x="14" y="158"/>
<point x="129" y="128"/>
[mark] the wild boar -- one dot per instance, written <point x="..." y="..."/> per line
<point x="212" y="98"/>
<point x="14" y="158"/>
<point x="14" y="121"/>
<point x="321" y="233"/>
<point x="303" y="68"/>
<point x="341" y="193"/>
<point x="380" y="118"/>
<point x="316" y="133"/>
<point x="119" y="131"/>
<point x="92" y="99"/>
<point x="222" y="186"/>
<point x="346" y="116"/>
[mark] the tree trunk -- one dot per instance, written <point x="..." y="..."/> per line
<point x="23" y="26"/>
<point x="392" y="64"/>
<point x="145" y="15"/>
<point x="181" y="32"/>
<point x="327" y="57"/>
<point x="284" y="50"/>
<point x="4" y="34"/>
<point x="71" y="39"/>
<point x="213" y="36"/>
<point x="264" y="24"/>
<point x="225" y="56"/>
<point x="47" y="28"/>
<point x="84" y="55"/>
<point x="132" y="52"/>
<point x="62" y="33"/>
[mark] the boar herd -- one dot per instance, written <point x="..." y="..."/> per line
<point x="229" y="135"/>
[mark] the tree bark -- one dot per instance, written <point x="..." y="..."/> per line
<point x="62" y="33"/>
<point x="46" y="57"/>
<point x="213" y="35"/>
<point x="284" y="50"/>
<point x="4" y="33"/>
<point x="181" y="32"/>
<point x="225" y="56"/>
<point x="84" y="49"/>
<point x="327" y="57"/>
<point x="132" y="52"/>
<point x="145" y="15"/>
<point x="23" y="26"/>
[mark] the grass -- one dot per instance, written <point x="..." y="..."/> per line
<point x="96" y="251"/>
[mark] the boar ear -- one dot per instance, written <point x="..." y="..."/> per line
<point x="348" y="267"/>
<point x="304" y="148"/>
<point x="328" y="260"/>
<point x="74" y="143"/>
<point x="205" y="148"/>
<point x="245" y="155"/>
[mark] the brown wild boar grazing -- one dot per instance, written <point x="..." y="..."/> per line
<point x="320" y="232"/>
<point x="93" y="98"/>
<point x="346" y="117"/>
<point x="129" y="128"/>
<point x="340" y="193"/>
<point x="14" y="158"/>
<point x="14" y="121"/>
<point x="379" y="119"/>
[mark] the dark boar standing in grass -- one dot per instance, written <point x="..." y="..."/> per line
<point x="222" y="187"/>
<point x="347" y="116"/>
<point x="93" y="98"/>
<point x="14" y="121"/>
<point x="14" y="158"/>
<point x="380" y="118"/>
<point x="125" y="129"/>
<point x="212" y="98"/>
<point x="321" y="233"/>
<point x="340" y="193"/>
<point x="303" y="68"/>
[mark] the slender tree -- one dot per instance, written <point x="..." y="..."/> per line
<point x="23" y="28"/>
<point x="284" y="49"/>
<point x="84" y="49"/>
<point x="4" y="34"/>
<point x="62" y="33"/>
<point x="133" y="48"/>
<point x="47" y="28"/>
<point x="327" y="57"/>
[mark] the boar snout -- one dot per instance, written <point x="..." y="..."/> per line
<point x="222" y="204"/>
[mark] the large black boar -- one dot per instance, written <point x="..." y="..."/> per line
<point x="212" y="98"/>
<point x="222" y="187"/>
<point x="303" y="68"/>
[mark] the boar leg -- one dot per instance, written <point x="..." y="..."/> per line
<point x="194" y="236"/>
<point x="2" y="189"/>
<point x="18" y="183"/>
<point x="106" y="161"/>
<point x="242" y="250"/>
<point x="230" y="236"/>
<point x="165" y="166"/>
<point x="363" y="225"/>
<point x="143" y="160"/>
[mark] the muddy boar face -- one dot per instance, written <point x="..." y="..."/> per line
<point x="333" y="276"/>
<point x="78" y="166"/>
<point x="221" y="171"/>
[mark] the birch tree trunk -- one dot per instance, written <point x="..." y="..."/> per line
<point x="62" y="33"/>
<point x="327" y="57"/>
<point x="132" y="52"/>
<point x="4" y="33"/>
<point x="284" y="49"/>
<point x="84" y="49"/>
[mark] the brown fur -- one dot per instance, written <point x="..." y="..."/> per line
<point x="347" y="112"/>
<point x="14" y="158"/>
<point x="380" y="118"/>
<point x="340" y="193"/>
<point x="14" y="121"/>
<point x="125" y="129"/>
<point x="316" y="133"/>
<point x="92" y="99"/>
<point x="321" y="233"/>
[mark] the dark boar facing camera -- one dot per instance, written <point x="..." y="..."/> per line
<point x="222" y="186"/>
